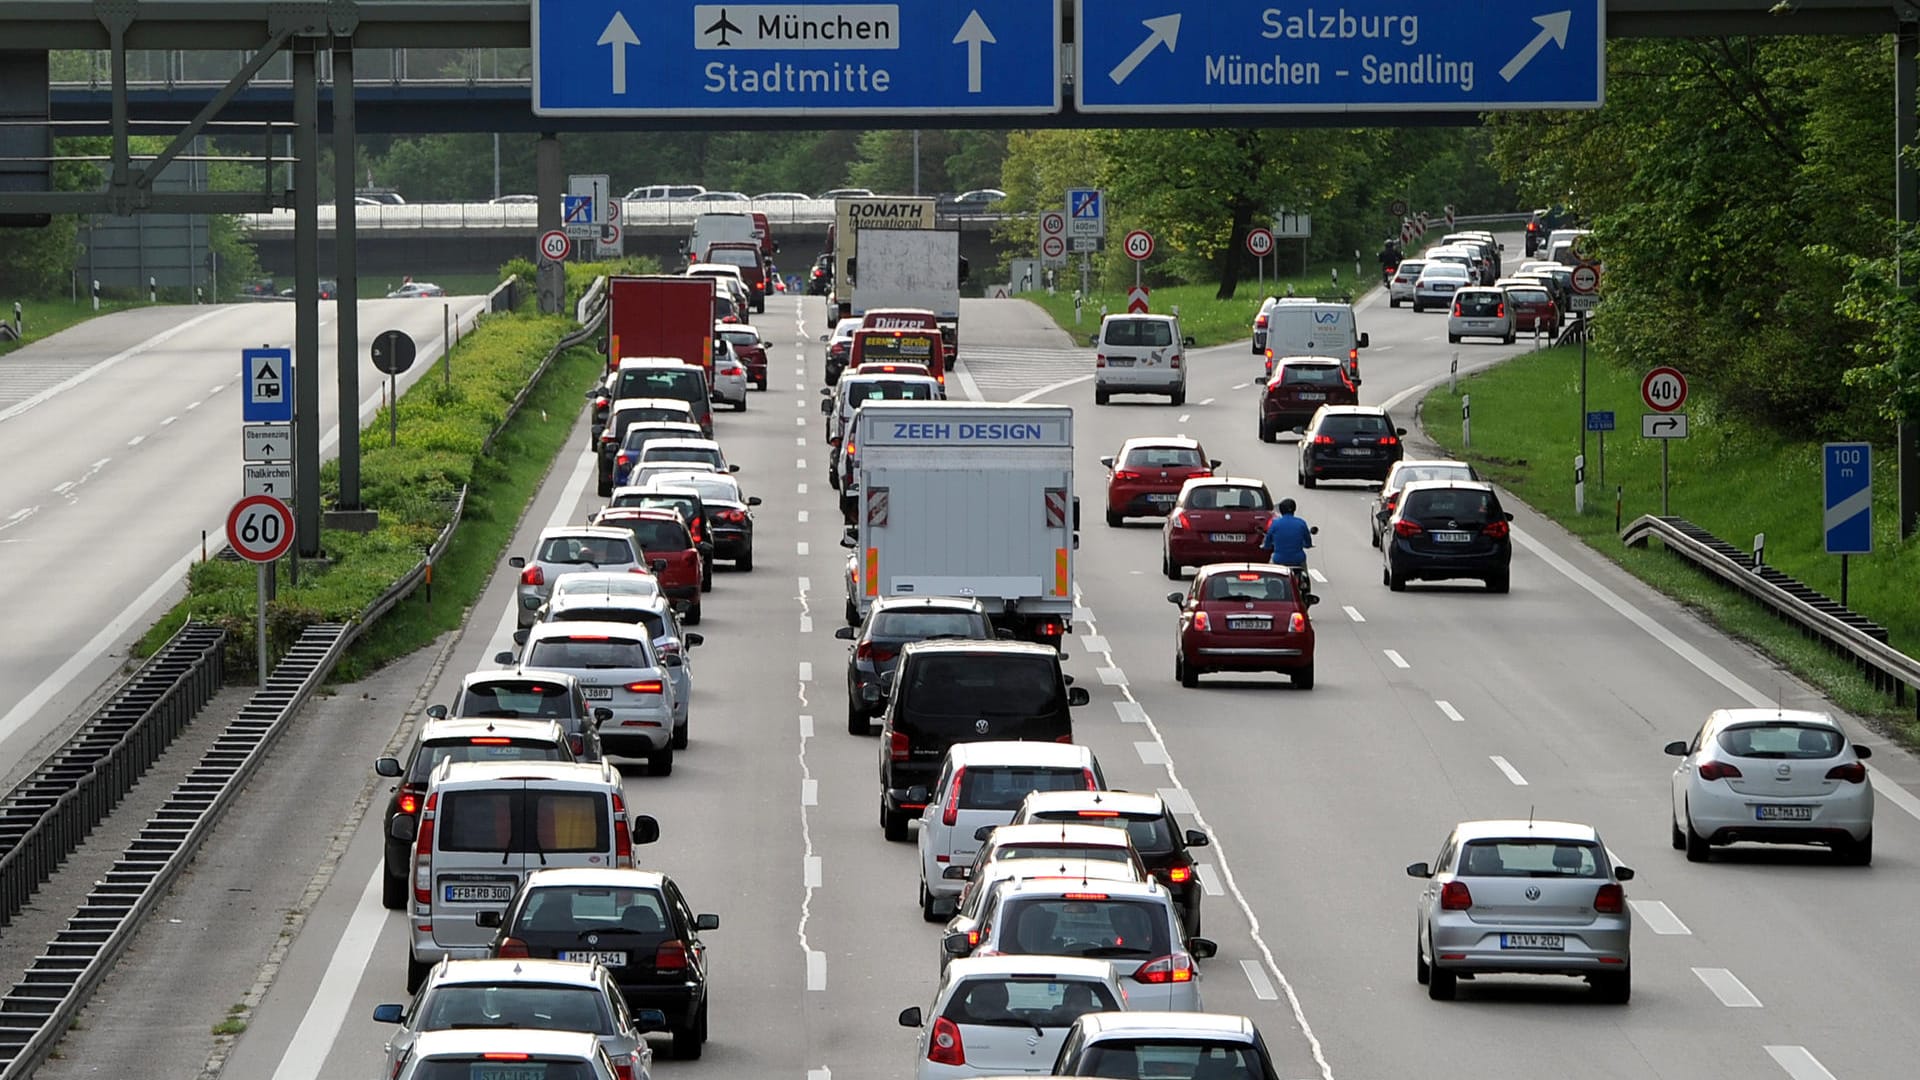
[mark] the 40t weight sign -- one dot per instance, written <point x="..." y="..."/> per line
<point x="1664" y="389"/>
<point x="260" y="528"/>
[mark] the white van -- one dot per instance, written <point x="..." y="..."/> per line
<point x="486" y="825"/>
<point x="1303" y="326"/>
<point x="1140" y="354"/>
<point x="726" y="228"/>
<point x="1561" y="244"/>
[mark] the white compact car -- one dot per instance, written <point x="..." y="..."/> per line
<point x="1400" y="288"/>
<point x="1140" y="354"/>
<point x="729" y="378"/>
<point x="1007" y="1015"/>
<point x="980" y="786"/>
<point x="1772" y="776"/>
<point x="1437" y="283"/>
<point x="1480" y="311"/>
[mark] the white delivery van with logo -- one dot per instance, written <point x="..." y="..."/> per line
<point x="1302" y="326"/>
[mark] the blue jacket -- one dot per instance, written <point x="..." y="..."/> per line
<point x="1288" y="538"/>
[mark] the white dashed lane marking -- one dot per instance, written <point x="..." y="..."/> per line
<point x="1257" y="978"/>
<point x="1659" y="917"/>
<point x="1317" y="576"/>
<point x="1453" y="714"/>
<point x="1209" y="880"/>
<point x="800" y="547"/>
<point x="1111" y="676"/>
<point x="1799" y="1063"/>
<point x="1730" y="990"/>
<point x="1513" y="774"/>
<point x="1150" y="753"/>
<point x="1130" y="712"/>
<point x="1353" y="613"/>
<point x="1094" y="643"/>
<point x="1397" y="660"/>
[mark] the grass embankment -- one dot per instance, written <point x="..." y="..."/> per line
<point x="45" y="318"/>
<point x="1732" y="478"/>
<point x="412" y="485"/>
<point x="1205" y="318"/>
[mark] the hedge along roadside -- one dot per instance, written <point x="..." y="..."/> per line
<point x="420" y="487"/>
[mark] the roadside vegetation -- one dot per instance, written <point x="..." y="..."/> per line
<point x="41" y="319"/>
<point x="1204" y="317"/>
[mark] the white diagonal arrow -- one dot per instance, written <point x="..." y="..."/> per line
<point x="1165" y="29"/>
<point x="1552" y="27"/>
<point x="974" y="33"/>
<point x="619" y="35"/>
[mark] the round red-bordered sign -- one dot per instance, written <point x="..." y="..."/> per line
<point x="1053" y="223"/>
<point x="1586" y="278"/>
<point x="556" y="245"/>
<point x="260" y="528"/>
<point x="1139" y="245"/>
<point x="1664" y="389"/>
<point x="1053" y="247"/>
<point x="1259" y="243"/>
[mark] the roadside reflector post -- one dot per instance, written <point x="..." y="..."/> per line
<point x="1579" y="483"/>
<point x="19" y="328"/>
<point x="1466" y="420"/>
<point x="1759" y="550"/>
<point x="96" y="294"/>
<point x="153" y="290"/>
<point x="1618" y="491"/>
<point x="1453" y="375"/>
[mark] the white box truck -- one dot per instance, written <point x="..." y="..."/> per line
<point x="851" y="217"/>
<point x="960" y="498"/>
<point x="911" y="268"/>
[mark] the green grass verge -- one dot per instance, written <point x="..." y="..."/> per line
<point x="1731" y="478"/>
<point x="1209" y="321"/>
<point x="44" y="318"/>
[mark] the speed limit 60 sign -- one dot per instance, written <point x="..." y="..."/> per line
<point x="1664" y="389"/>
<point x="1139" y="245"/>
<point x="555" y="245"/>
<point x="260" y="528"/>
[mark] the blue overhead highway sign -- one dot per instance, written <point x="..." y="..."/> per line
<point x="1348" y="56"/>
<point x="687" y="58"/>
<point x="1849" y="490"/>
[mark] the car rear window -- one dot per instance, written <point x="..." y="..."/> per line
<point x="1310" y="375"/>
<point x="1027" y="1001"/>
<point x="1478" y="304"/>
<point x="612" y="584"/>
<point x="737" y="337"/>
<point x="1182" y="1059"/>
<point x="661" y="383"/>
<point x="630" y="615"/>
<point x="639" y="434"/>
<point x="1164" y="457"/>
<point x="920" y="625"/>
<point x="1412" y="267"/>
<point x="733" y="257"/>
<point x="680" y="504"/>
<point x="1150" y="833"/>
<point x="1529" y="296"/>
<point x="573" y="654"/>
<point x="625" y="419"/>
<point x="1150" y="333"/>
<point x="1407" y="474"/>
<point x="1224" y="497"/>
<point x="1004" y="787"/>
<point x="586" y="551"/>
<point x="969" y="685"/>
<point x="888" y="390"/>
<point x="1094" y="926"/>
<point x="681" y="453"/>
<point x="1250" y="585"/>
<point x="517" y="1005"/>
<point x="1467" y="506"/>
<point x="516" y="699"/>
<point x="909" y="347"/>
<point x="559" y="908"/>
<point x="1783" y="741"/>
<point x="1529" y="858"/>
<point x="654" y="534"/>
<point x="432" y="754"/>
<point x="1040" y="850"/>
<point x="1445" y="270"/>
<point x="471" y="1068"/>
<point x="1348" y="424"/>
<point x="523" y="821"/>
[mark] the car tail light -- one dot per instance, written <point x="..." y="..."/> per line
<point x="1497" y="529"/>
<point x="423" y="854"/>
<point x="945" y="1047"/>
<point x="512" y="949"/>
<point x="504" y="1056"/>
<point x="623" y="1069"/>
<point x="1852" y="772"/>
<point x="409" y="799"/>
<point x="1717" y="770"/>
<point x="600" y="402"/>
<point x="1179" y="874"/>
<point x="867" y="650"/>
<point x="1050" y="628"/>
<point x="735" y="517"/>
<point x="1611" y="899"/>
<point x="1087" y="776"/>
<point x="1455" y="896"/>
<point x="1500" y="311"/>
<point x="622" y="838"/>
<point x="1175" y="362"/>
<point x="606" y="436"/>
<point x="1201" y="622"/>
<point x="645" y="686"/>
<point x="1323" y="440"/>
<point x="1099" y="360"/>
<point x="899" y="746"/>
<point x="1260" y="323"/>
<point x="1456" y="309"/>
<point x="1180" y="520"/>
<point x="533" y="575"/>
<point x="1297" y="623"/>
<point x="638" y="570"/>
<point x="951" y="814"/>
<point x="624" y="458"/>
<point x="670" y="956"/>
<point x="1403" y="527"/>
<point x="1172" y="968"/>
<point x="1125" y="474"/>
<point x="1389" y="440"/>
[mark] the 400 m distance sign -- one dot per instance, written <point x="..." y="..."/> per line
<point x="260" y="528"/>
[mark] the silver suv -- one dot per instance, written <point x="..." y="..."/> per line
<point x="618" y="670"/>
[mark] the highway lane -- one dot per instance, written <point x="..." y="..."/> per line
<point x="122" y="438"/>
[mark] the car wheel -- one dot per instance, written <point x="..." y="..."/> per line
<point x="1855" y="852"/>
<point x="693" y="614"/>
<point x="1373" y="536"/>
<point x="1418" y="307"/>
<point x="416" y="973"/>
<point x="1113" y="520"/>
<point x="1453" y="339"/>
<point x="1188" y="675"/>
<point x="1303" y="678"/>
<point x="605" y="486"/>
<point x="680" y="737"/>
<point x="1679" y="838"/>
<point x="660" y="762"/>
<point x="1510" y="338"/>
<point x="1498" y="583"/>
<point x="894" y="823"/>
<point x="1267" y="434"/>
<point x="929" y="906"/>
<point x="742" y="405"/>
<point x="1305" y="480"/>
<point x="851" y="614"/>
<point x="1169" y="567"/>
<point x="1441" y="984"/>
<point x="1698" y="849"/>
<point x="857" y="723"/>
<point x="1099" y="396"/>
<point x="744" y="563"/>
<point x="1395" y="303"/>
<point x="394" y="891"/>
<point x="1179" y="397"/>
<point x="1613" y="987"/>
<point x="686" y="1040"/>
<point x="1421" y="972"/>
<point x="706" y="576"/>
<point x="1395" y="582"/>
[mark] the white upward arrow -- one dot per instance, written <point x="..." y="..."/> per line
<point x="619" y="35"/>
<point x="974" y="33"/>
<point x="1165" y="29"/>
<point x="1552" y="27"/>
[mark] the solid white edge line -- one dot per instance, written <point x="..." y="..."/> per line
<point x="313" y="1040"/>
<point x="1728" y="988"/>
<point x="1045" y="390"/>
<point x="967" y="386"/>
<point x="1504" y="766"/>
<point x="1799" y="1062"/>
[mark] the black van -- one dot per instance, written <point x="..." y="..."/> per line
<point x="947" y="692"/>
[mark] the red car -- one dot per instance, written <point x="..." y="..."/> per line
<point x="1533" y="308"/>
<point x="669" y="548"/>
<point x="1145" y="476"/>
<point x="1299" y="386"/>
<point x="1216" y="519"/>
<point x="1243" y="617"/>
<point x="749" y="347"/>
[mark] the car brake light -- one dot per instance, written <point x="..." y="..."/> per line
<point x="1174" y="968"/>
<point x="1179" y="874"/>
<point x="1297" y="623"/>
<point x="423" y="854"/>
<point x="1403" y="527"/>
<point x="645" y="686"/>
<point x="1611" y="899"/>
<point x="1175" y="362"/>
<point x="1260" y="323"/>
<point x="1323" y="440"/>
<point x="409" y="802"/>
<point x="1099" y="360"/>
<point x="951" y="814"/>
<point x="1180" y="520"/>
<point x="533" y="575"/>
<point x="1455" y="896"/>
<point x="945" y="1047"/>
<point x="600" y="403"/>
<point x="670" y="956"/>
<point x="1852" y="772"/>
<point x="624" y="458"/>
<point x="1201" y="622"/>
<point x="1098" y="813"/>
<point x="622" y="838"/>
<point x="1717" y="770"/>
<point x="512" y="949"/>
<point x="1126" y="474"/>
<point x="1500" y="311"/>
<point x="489" y="740"/>
<point x="503" y="1056"/>
<point x="623" y="1070"/>
<point x="1389" y="440"/>
<point x="1456" y="309"/>
<point x="899" y="746"/>
<point x="1496" y="529"/>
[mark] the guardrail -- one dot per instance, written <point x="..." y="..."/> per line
<point x="36" y="1011"/>
<point x="1819" y="617"/>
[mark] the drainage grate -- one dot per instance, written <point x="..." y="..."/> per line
<point x="36" y="1011"/>
<point x="45" y="817"/>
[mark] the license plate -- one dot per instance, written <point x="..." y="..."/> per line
<point x="597" y="693"/>
<point x="1783" y="813"/>
<point x="1120" y="361"/>
<point x="1551" y="942"/>
<point x="479" y="894"/>
<point x="1227" y="538"/>
<point x="1250" y="622"/>
<point x="1478" y="324"/>
<point x="595" y="956"/>
<point x="1355" y="451"/>
<point x="1451" y="537"/>
<point x="1160" y="498"/>
<point x="1313" y="397"/>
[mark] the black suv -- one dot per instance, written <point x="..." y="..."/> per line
<point x="1348" y="442"/>
<point x="947" y="692"/>
<point x="892" y="623"/>
<point x="1447" y="529"/>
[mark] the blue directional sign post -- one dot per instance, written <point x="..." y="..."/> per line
<point x="1849" y="489"/>
<point x="1355" y="56"/>
<point x="267" y="375"/>
<point x="687" y="58"/>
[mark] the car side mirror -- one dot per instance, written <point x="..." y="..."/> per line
<point x="1203" y="948"/>
<point x="825" y="337"/>
<point x="869" y="694"/>
<point x="1509" y="517"/>
<point x="1196" y="838"/>
<point x="645" y="1020"/>
<point x="517" y="562"/>
<point x="389" y="1014"/>
<point x="671" y="661"/>
<point x="1093" y="340"/>
<point x="1676" y="749"/>
<point x="1862" y="752"/>
<point x="1309" y="599"/>
<point x="955" y="873"/>
<point x="602" y="714"/>
<point x="404" y="828"/>
<point x="1078" y="696"/>
<point x="519" y="637"/>
<point x="1419" y="869"/>
<point x="504" y="659"/>
<point x="826" y="407"/>
<point x="694" y="639"/>
<point x="1189" y="342"/>
<point x="1107" y="461"/>
<point x="1399" y="431"/>
<point x="1213" y="464"/>
<point x="1005" y="633"/>
<point x="645" y="828"/>
<point x="659" y="566"/>
<point x="1363" y="341"/>
<point x="846" y="633"/>
<point x="735" y="468"/>
<point x="956" y="944"/>
<point x="753" y="500"/>
<point x="1300" y="431"/>
<point x="436" y="712"/>
<point x="1623" y="873"/>
<point x="918" y="793"/>
<point x="1176" y="598"/>
<point x="706" y="922"/>
<point x="488" y="919"/>
<point x="849" y="542"/>
<point x="910" y="1017"/>
<point x="981" y="834"/>
<point x="387" y="766"/>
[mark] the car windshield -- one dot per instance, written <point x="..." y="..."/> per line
<point x="1528" y="296"/>
<point x="888" y="390"/>
<point x="633" y="616"/>
<point x="654" y="534"/>
<point x="1150" y="833"/>
<point x="612" y="584"/>
<point x="1150" y="333"/>
<point x="576" y="653"/>
<point x="1467" y="506"/>
<point x="1411" y="267"/>
<point x="1182" y="1059"/>
<point x="508" y="700"/>
<point x="640" y="434"/>
<point x="1085" y="924"/>
<point x="1004" y="787"/>
<point x="1250" y="585"/>
<point x="1529" y="859"/>
<point x="1348" y="425"/>
<point x="586" y="551"/>
<point x="659" y="383"/>
<point x="1478" y="304"/>
<point x="518" y="1005"/>
<point x="1228" y="497"/>
<point x="560" y="908"/>
<point x="1310" y="375"/>
<point x="920" y="625"/>
<point x="1784" y="741"/>
<point x="1027" y="1001"/>
<point x="1164" y="457"/>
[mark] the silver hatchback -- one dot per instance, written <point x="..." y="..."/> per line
<point x="618" y="670"/>
<point x="564" y="549"/>
<point x="1525" y="897"/>
<point x="655" y="612"/>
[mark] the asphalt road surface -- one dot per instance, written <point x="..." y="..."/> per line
<point x="1439" y="704"/>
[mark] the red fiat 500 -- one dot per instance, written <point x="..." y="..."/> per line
<point x="1243" y="617"/>
<point x="1215" y="519"/>
<point x="1145" y="476"/>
